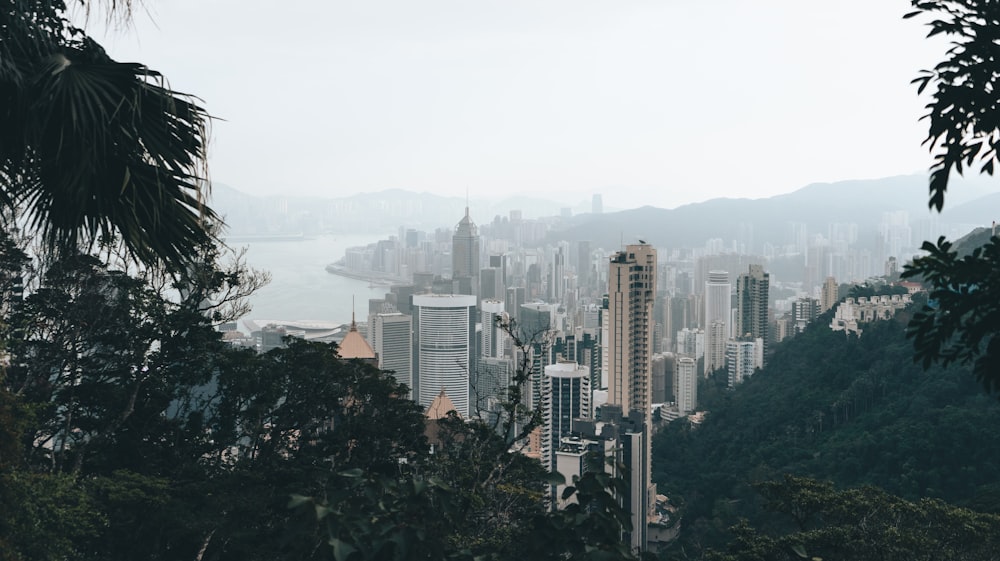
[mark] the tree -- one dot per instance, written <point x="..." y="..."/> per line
<point x="91" y="147"/>
<point x="862" y="524"/>
<point x="960" y="323"/>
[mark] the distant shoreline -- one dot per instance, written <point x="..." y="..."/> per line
<point x="372" y="278"/>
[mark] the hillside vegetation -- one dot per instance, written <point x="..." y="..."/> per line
<point x="849" y="410"/>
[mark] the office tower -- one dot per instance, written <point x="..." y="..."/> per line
<point x="534" y="329"/>
<point x="465" y="255"/>
<point x="583" y="273"/>
<point x="631" y="292"/>
<point x="515" y="299"/>
<point x="828" y="297"/>
<point x="663" y="378"/>
<point x="490" y="382"/>
<point x="751" y="305"/>
<point x="718" y="309"/>
<point x="566" y="397"/>
<point x="743" y="357"/>
<point x="596" y="204"/>
<point x="493" y="337"/>
<point x="686" y="384"/>
<point x="392" y="338"/>
<point x="445" y="357"/>
<point x="554" y="277"/>
<point x="534" y="321"/>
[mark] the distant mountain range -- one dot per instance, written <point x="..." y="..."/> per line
<point x="970" y="202"/>
<point x="860" y="202"/>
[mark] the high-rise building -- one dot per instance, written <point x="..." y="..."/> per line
<point x="629" y="350"/>
<point x="490" y="382"/>
<point x="686" y="384"/>
<point x="391" y="336"/>
<point x="445" y="349"/>
<point x="751" y="305"/>
<point x="828" y="297"/>
<point x="566" y="397"/>
<point x="804" y="311"/>
<point x="465" y="254"/>
<point x="493" y="335"/>
<point x="718" y="310"/>
<point x="743" y="357"/>
<point x="631" y="290"/>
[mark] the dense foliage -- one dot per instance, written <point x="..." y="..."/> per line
<point x="91" y="147"/>
<point x="130" y="430"/>
<point x="854" y="411"/>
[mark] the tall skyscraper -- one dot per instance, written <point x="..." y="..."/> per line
<point x="751" y="305"/>
<point x="493" y="336"/>
<point x="391" y="336"/>
<point x="445" y="329"/>
<point x="631" y="291"/>
<point x="718" y="310"/>
<point x="629" y="344"/>
<point x="465" y="255"/>
<point x="566" y="397"/>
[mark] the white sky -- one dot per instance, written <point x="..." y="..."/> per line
<point x="647" y="102"/>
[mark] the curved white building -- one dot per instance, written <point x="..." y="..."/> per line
<point x="445" y="326"/>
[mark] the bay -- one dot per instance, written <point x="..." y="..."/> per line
<point x="300" y="287"/>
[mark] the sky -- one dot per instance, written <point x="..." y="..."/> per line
<point x="660" y="102"/>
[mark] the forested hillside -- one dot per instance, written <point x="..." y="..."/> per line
<point x="853" y="411"/>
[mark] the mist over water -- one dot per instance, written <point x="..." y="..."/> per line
<point x="300" y="287"/>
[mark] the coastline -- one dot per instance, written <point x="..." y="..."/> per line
<point x="370" y="277"/>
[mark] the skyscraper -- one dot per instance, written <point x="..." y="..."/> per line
<point x="392" y="338"/>
<point x="566" y="397"/>
<point x="718" y="309"/>
<point x="465" y="255"/>
<point x="629" y="344"/>
<point x="631" y="291"/>
<point x="445" y="328"/>
<point x="752" y="302"/>
<point x="493" y="336"/>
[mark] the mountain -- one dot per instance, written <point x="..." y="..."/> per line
<point x="759" y="221"/>
<point x="767" y="220"/>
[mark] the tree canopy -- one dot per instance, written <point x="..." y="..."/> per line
<point x="95" y="148"/>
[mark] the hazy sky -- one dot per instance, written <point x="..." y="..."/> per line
<point x="647" y="102"/>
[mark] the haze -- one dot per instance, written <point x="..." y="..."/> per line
<point x="660" y="102"/>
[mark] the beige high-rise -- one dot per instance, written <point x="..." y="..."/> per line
<point x="631" y="293"/>
<point x="630" y="327"/>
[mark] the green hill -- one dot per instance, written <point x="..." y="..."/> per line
<point x="850" y="410"/>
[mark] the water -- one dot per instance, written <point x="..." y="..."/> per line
<point x="300" y="287"/>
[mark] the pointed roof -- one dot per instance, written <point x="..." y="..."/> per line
<point x="440" y="407"/>
<point x="354" y="344"/>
